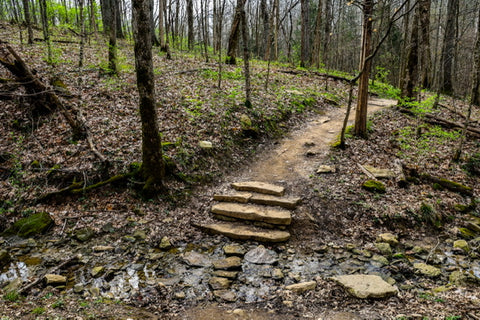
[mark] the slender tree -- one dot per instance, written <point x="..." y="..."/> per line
<point x="234" y="33"/>
<point x="412" y="64"/>
<point x="365" y="66"/>
<point x="246" y="59"/>
<point x="28" y="20"/>
<point x="46" y="33"/>
<point x="191" y="34"/>
<point x="153" y="168"/>
<point x="448" y="50"/>
<point x="305" y="34"/>
<point x="425" y="51"/>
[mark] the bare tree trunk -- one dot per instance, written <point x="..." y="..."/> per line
<point x="412" y="63"/>
<point x="317" y="40"/>
<point x="191" y="35"/>
<point x="82" y="34"/>
<point x="425" y="54"/>
<point x="266" y="30"/>
<point x="403" y="53"/>
<point x="161" y="26"/>
<point x="112" y="44"/>
<point x="28" y="21"/>
<point x="153" y="168"/>
<point x="365" y="66"/>
<point x="305" y="34"/>
<point x="475" y="90"/>
<point x="246" y="59"/>
<point x="448" y="51"/>
<point x="234" y="33"/>
<point x="46" y="33"/>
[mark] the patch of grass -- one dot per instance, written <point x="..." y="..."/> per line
<point x="38" y="310"/>
<point x="12" y="296"/>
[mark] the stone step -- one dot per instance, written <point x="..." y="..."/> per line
<point x="258" y="198"/>
<point x="242" y="197"/>
<point x="260" y="187"/>
<point x="252" y="212"/>
<point x="269" y="200"/>
<point x="243" y="232"/>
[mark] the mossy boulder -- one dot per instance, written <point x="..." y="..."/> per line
<point x="4" y="258"/>
<point x="374" y="186"/>
<point x="31" y="225"/>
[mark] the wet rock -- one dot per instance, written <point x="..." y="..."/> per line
<point x="366" y="286"/>
<point x="277" y="274"/>
<point x="384" y="248"/>
<point x="230" y="263"/>
<point x="225" y="274"/>
<point x="84" y="235"/>
<point x="97" y="271"/>
<point x="4" y="258"/>
<point x="326" y="169"/>
<point x="218" y="283"/>
<point x="388" y="238"/>
<point x="78" y="288"/>
<point x="427" y="270"/>
<point x="165" y="243"/>
<point x="380" y="259"/>
<point x="140" y="235"/>
<point x="32" y="225"/>
<point x="374" y="186"/>
<point x="302" y="287"/>
<point x="103" y="248"/>
<point x="261" y="255"/>
<point x="226" y="295"/>
<point x="195" y="259"/>
<point x="55" y="279"/>
<point x="462" y="245"/>
<point x="234" y="250"/>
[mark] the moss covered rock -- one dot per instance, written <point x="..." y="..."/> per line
<point x="374" y="186"/>
<point x="31" y="225"/>
<point x="4" y="258"/>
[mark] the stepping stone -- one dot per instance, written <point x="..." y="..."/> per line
<point x="260" y="187"/>
<point x="237" y="197"/>
<point x="242" y="232"/>
<point x="366" y="286"/>
<point x="265" y="199"/>
<point x="379" y="173"/>
<point x="250" y="212"/>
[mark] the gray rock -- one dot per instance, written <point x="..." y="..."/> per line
<point x="366" y="286"/>
<point x="384" y="248"/>
<point x="302" y="287"/>
<point x="55" y="279"/>
<point x="165" y="243"/>
<point x="219" y="283"/>
<point x="388" y="238"/>
<point x="230" y="263"/>
<point x="195" y="259"/>
<point x="226" y="295"/>
<point x="140" y="234"/>
<point x="84" y="235"/>
<point x="261" y="255"/>
<point x="234" y="250"/>
<point x="78" y="288"/>
<point x="427" y="270"/>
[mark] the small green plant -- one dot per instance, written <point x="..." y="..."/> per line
<point x="453" y="317"/>
<point x="58" y="304"/>
<point x="38" y="310"/>
<point x="381" y="86"/>
<point x="12" y="296"/>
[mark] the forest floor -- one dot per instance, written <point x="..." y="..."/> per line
<point x="282" y="139"/>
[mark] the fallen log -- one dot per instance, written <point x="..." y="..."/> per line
<point x="319" y="74"/>
<point x="448" y="184"/>
<point x="45" y="101"/>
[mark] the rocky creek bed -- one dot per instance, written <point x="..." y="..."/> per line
<point x="128" y="269"/>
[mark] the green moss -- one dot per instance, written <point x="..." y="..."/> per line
<point x="466" y="233"/>
<point x="374" y="186"/>
<point x="29" y="226"/>
<point x="35" y="164"/>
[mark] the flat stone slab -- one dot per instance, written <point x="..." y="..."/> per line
<point x="379" y="173"/>
<point x="269" y="200"/>
<point x="254" y="213"/>
<point x="302" y="287"/>
<point x="366" y="286"/>
<point x="242" y="232"/>
<point x="230" y="263"/>
<point x="260" y="187"/>
<point x="242" y="197"/>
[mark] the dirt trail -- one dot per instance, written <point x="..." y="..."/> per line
<point x="298" y="154"/>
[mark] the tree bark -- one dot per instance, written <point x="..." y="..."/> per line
<point x="412" y="63"/>
<point x="475" y="90"/>
<point x="425" y="53"/>
<point x="234" y="33"/>
<point x="317" y="41"/>
<point x="191" y="34"/>
<point x="246" y="59"/>
<point x="448" y="51"/>
<point x="365" y="66"/>
<point x="112" y="44"/>
<point x="28" y="21"/>
<point x="46" y="33"/>
<point x="153" y="167"/>
<point x="305" y="34"/>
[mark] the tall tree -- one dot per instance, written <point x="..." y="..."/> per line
<point x="412" y="64"/>
<point x="305" y="34"/>
<point x="425" y="51"/>
<point x="234" y="33"/>
<point x="191" y="34"/>
<point x="365" y="67"/>
<point x="317" y="36"/>
<point x="266" y="29"/>
<point x="475" y="89"/>
<point x="246" y="59"/>
<point x="28" y="20"/>
<point x="153" y="168"/>
<point x="448" y="50"/>
<point x="46" y="33"/>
